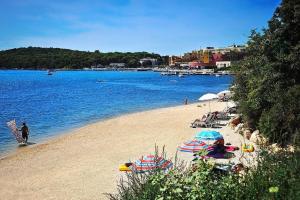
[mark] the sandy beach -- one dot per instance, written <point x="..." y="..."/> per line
<point x="83" y="164"/>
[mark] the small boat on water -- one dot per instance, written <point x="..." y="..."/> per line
<point x="217" y="75"/>
<point x="50" y="71"/>
<point x="180" y="75"/>
<point x="168" y="73"/>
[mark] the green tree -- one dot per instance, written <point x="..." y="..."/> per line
<point x="40" y="58"/>
<point x="268" y="79"/>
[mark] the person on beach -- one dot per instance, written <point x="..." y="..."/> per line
<point x="25" y="132"/>
<point x="186" y="101"/>
<point x="218" y="147"/>
<point x="223" y="98"/>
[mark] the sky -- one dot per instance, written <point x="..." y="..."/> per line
<point x="167" y="27"/>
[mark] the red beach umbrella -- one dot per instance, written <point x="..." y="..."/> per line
<point x="151" y="162"/>
<point x="193" y="146"/>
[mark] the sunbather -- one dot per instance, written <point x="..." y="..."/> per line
<point x="218" y="147"/>
<point x="205" y="121"/>
<point x="223" y="98"/>
<point x="221" y="115"/>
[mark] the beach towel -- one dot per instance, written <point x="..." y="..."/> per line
<point x="231" y="148"/>
<point x="227" y="148"/>
<point x="213" y="154"/>
<point x="14" y="130"/>
<point x="225" y="155"/>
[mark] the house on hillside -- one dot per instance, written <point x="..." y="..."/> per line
<point x="144" y="61"/>
<point x="223" y="64"/>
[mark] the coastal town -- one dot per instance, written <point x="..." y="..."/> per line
<point x="150" y="100"/>
<point x="207" y="61"/>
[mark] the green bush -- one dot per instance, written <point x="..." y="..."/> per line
<point x="276" y="176"/>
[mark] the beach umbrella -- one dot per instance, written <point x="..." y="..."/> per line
<point x="208" y="135"/>
<point x="208" y="97"/>
<point x="224" y="92"/>
<point x="193" y="146"/>
<point x="150" y="162"/>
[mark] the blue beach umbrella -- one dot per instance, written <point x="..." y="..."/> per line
<point x="208" y="135"/>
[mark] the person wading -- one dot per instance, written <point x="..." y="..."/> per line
<point x="25" y="132"/>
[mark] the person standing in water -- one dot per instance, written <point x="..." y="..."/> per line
<point x="25" y="132"/>
<point x="186" y="101"/>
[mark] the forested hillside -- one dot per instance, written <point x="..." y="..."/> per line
<point x="40" y="58"/>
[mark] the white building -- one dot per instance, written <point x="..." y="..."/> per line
<point x="223" y="64"/>
<point x="152" y="60"/>
<point x="184" y="65"/>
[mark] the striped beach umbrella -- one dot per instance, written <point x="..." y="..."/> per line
<point x="151" y="162"/>
<point x="193" y="146"/>
<point x="208" y="135"/>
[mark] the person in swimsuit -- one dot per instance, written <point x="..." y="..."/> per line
<point x="25" y="132"/>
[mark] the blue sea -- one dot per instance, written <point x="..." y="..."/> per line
<point x="52" y="105"/>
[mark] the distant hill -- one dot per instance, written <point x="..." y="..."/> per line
<point x="41" y="58"/>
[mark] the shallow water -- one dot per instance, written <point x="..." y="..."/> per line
<point x="51" y="105"/>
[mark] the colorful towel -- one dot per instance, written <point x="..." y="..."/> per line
<point x="213" y="153"/>
<point x="226" y="155"/>
<point x="227" y="148"/>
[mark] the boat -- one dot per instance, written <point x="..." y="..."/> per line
<point x="168" y="73"/>
<point x="180" y="75"/>
<point x="217" y="75"/>
<point x="143" y="69"/>
<point x="50" y="72"/>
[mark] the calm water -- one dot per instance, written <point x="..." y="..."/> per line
<point x="53" y="104"/>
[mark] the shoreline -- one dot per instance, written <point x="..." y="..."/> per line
<point x="83" y="163"/>
<point x="193" y="72"/>
<point x="39" y="141"/>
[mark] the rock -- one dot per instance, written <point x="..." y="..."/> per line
<point x="257" y="138"/>
<point x="236" y="121"/>
<point x="238" y="128"/>
<point x="275" y="148"/>
<point x="291" y="148"/>
<point x="247" y="134"/>
<point x="256" y="132"/>
<point x="263" y="140"/>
